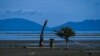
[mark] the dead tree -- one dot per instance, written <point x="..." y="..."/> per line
<point x="41" y="35"/>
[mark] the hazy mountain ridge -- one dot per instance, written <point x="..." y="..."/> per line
<point x="20" y="24"/>
<point x="87" y="25"/>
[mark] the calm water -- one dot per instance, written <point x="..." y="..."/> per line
<point x="82" y="38"/>
<point x="28" y="35"/>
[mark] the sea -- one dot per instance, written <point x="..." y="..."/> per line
<point x="82" y="39"/>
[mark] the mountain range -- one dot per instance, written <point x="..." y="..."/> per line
<point x="20" y="24"/>
<point x="87" y="25"/>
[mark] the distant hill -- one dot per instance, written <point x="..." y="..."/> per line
<point x="19" y="24"/>
<point x="87" y="25"/>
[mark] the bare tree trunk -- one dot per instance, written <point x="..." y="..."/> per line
<point x="66" y="42"/>
<point x="41" y="35"/>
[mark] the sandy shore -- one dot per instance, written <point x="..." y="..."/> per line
<point x="47" y="52"/>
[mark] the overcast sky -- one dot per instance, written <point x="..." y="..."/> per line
<point x="56" y="11"/>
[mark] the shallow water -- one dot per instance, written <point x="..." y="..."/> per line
<point x="83" y="39"/>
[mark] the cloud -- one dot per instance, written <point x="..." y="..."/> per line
<point x="18" y="12"/>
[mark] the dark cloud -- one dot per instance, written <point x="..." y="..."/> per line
<point x="20" y="12"/>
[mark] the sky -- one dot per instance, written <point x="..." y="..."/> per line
<point x="57" y="12"/>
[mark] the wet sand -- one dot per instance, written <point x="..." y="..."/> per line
<point x="48" y="52"/>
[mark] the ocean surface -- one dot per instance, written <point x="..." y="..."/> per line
<point x="89" y="39"/>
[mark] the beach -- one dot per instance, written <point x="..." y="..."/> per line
<point x="22" y="48"/>
<point x="48" y="52"/>
<point x="27" y="44"/>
